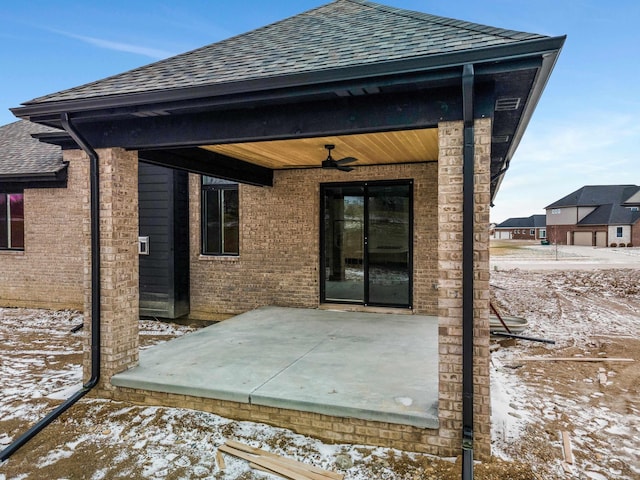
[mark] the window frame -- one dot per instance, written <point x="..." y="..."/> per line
<point x="219" y="187"/>
<point x="7" y="231"/>
<point x="619" y="232"/>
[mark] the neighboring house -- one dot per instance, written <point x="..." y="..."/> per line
<point x="522" y="228"/>
<point x="596" y="215"/>
<point x="415" y="99"/>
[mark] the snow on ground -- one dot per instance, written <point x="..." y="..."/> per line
<point x="40" y="365"/>
<point x="588" y="312"/>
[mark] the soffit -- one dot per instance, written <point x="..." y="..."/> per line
<point x="407" y="146"/>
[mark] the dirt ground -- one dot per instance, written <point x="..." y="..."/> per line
<point x="590" y="314"/>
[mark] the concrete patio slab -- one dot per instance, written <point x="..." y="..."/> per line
<point x="381" y="367"/>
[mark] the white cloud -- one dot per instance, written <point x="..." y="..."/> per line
<point x="558" y="157"/>
<point x="153" y="53"/>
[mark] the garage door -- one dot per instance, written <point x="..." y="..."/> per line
<point x="583" y="238"/>
<point x="502" y="235"/>
<point x="601" y="239"/>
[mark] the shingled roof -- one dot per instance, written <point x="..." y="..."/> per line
<point x="534" y="221"/>
<point x="595" y="195"/>
<point x="340" y="34"/>
<point x="23" y="157"/>
<point x="611" y="214"/>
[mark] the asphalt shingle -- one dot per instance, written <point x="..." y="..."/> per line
<point x="21" y="154"/>
<point x="343" y="33"/>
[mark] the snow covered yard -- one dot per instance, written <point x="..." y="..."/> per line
<point x="590" y="314"/>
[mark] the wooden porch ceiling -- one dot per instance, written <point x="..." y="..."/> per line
<point x="404" y="146"/>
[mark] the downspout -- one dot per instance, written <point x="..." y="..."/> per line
<point x="467" y="271"/>
<point x="95" y="299"/>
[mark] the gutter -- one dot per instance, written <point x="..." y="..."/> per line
<point x="468" y="192"/>
<point x="280" y="86"/>
<point x="95" y="299"/>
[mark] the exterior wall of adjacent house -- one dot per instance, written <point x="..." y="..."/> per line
<point x="584" y="211"/>
<point x="519" y="233"/>
<point x="562" y="216"/>
<point x="624" y="238"/>
<point x="49" y="272"/>
<point x="279" y="257"/>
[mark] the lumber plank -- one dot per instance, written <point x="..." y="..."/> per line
<point x="272" y="465"/>
<point x="289" y="461"/>
<point x="575" y="359"/>
<point x="220" y="460"/>
<point x="566" y="444"/>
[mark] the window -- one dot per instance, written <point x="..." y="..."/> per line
<point x="619" y="232"/>
<point x="220" y="221"/>
<point x="11" y="221"/>
<point x="556" y="211"/>
<point x="543" y="233"/>
<point x="532" y="232"/>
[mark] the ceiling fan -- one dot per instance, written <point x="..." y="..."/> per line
<point x="340" y="164"/>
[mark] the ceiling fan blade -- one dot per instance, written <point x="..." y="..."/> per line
<point x="346" y="160"/>
<point x="342" y="168"/>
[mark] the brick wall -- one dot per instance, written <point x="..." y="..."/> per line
<point x="450" y="193"/>
<point x="49" y="272"/>
<point x="324" y="427"/>
<point x="119" y="262"/>
<point x="279" y="242"/>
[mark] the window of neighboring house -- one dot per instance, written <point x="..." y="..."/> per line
<point x="220" y="220"/>
<point x="543" y="234"/>
<point x="11" y="221"/>
<point x="532" y="232"/>
<point x="619" y="232"/>
<point x="556" y="211"/>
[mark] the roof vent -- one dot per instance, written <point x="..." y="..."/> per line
<point x="504" y="104"/>
<point x="500" y="138"/>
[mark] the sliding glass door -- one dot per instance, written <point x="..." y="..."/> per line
<point x="366" y="243"/>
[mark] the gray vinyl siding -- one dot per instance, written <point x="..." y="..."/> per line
<point x="164" y="273"/>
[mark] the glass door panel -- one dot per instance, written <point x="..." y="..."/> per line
<point x="366" y="244"/>
<point x="388" y="244"/>
<point x="343" y="241"/>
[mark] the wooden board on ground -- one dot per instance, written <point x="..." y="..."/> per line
<point x="276" y="464"/>
<point x="575" y="359"/>
<point x="566" y="444"/>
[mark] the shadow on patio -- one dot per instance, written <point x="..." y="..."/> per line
<point x="370" y="366"/>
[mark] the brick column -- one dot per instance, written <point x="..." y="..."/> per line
<point x="450" y="224"/>
<point x="119" y="304"/>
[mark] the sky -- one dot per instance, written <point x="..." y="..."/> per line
<point x="585" y="130"/>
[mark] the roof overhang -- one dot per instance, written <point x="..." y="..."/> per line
<point x="259" y="121"/>
<point x="20" y="181"/>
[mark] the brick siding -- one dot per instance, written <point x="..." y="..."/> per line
<point x="49" y="272"/>
<point x="119" y="263"/>
<point x="325" y="427"/>
<point x="280" y="242"/>
<point x="450" y="193"/>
